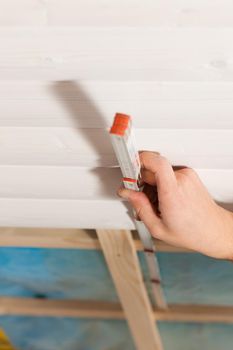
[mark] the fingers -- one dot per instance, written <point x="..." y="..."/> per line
<point x="148" y="177"/>
<point x="157" y="170"/>
<point x="144" y="210"/>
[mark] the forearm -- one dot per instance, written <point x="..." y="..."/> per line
<point x="228" y="232"/>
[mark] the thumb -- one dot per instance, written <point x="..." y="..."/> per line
<point x="159" y="168"/>
<point x="144" y="210"/>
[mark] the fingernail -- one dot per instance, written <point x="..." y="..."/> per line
<point x="146" y="151"/>
<point x="123" y="193"/>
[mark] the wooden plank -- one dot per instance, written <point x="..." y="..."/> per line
<point x="47" y="182"/>
<point x="108" y="310"/>
<point x="164" y="54"/>
<point x="50" y="238"/>
<point x="169" y="105"/>
<point x="65" y="239"/>
<point x="23" y="13"/>
<point x="125" y="13"/>
<point x="59" y="308"/>
<point x="121" y="257"/>
<point x="196" y="313"/>
<point x="61" y="213"/>
<point x="151" y="13"/>
<point x="92" y="147"/>
<point x="59" y="182"/>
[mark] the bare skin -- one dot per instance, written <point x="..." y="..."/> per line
<point x="188" y="217"/>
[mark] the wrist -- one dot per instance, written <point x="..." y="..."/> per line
<point x="228" y="232"/>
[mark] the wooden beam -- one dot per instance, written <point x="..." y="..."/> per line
<point x="108" y="310"/>
<point x="196" y="313"/>
<point x="48" y="238"/>
<point x="59" y="308"/>
<point x="121" y="257"/>
<point x="65" y="239"/>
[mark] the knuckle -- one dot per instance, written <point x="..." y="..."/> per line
<point x="162" y="162"/>
<point x="189" y="172"/>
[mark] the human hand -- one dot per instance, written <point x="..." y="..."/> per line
<point x="188" y="217"/>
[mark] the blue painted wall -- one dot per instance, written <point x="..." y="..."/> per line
<point x="30" y="333"/>
<point x="197" y="279"/>
<point x="56" y="273"/>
